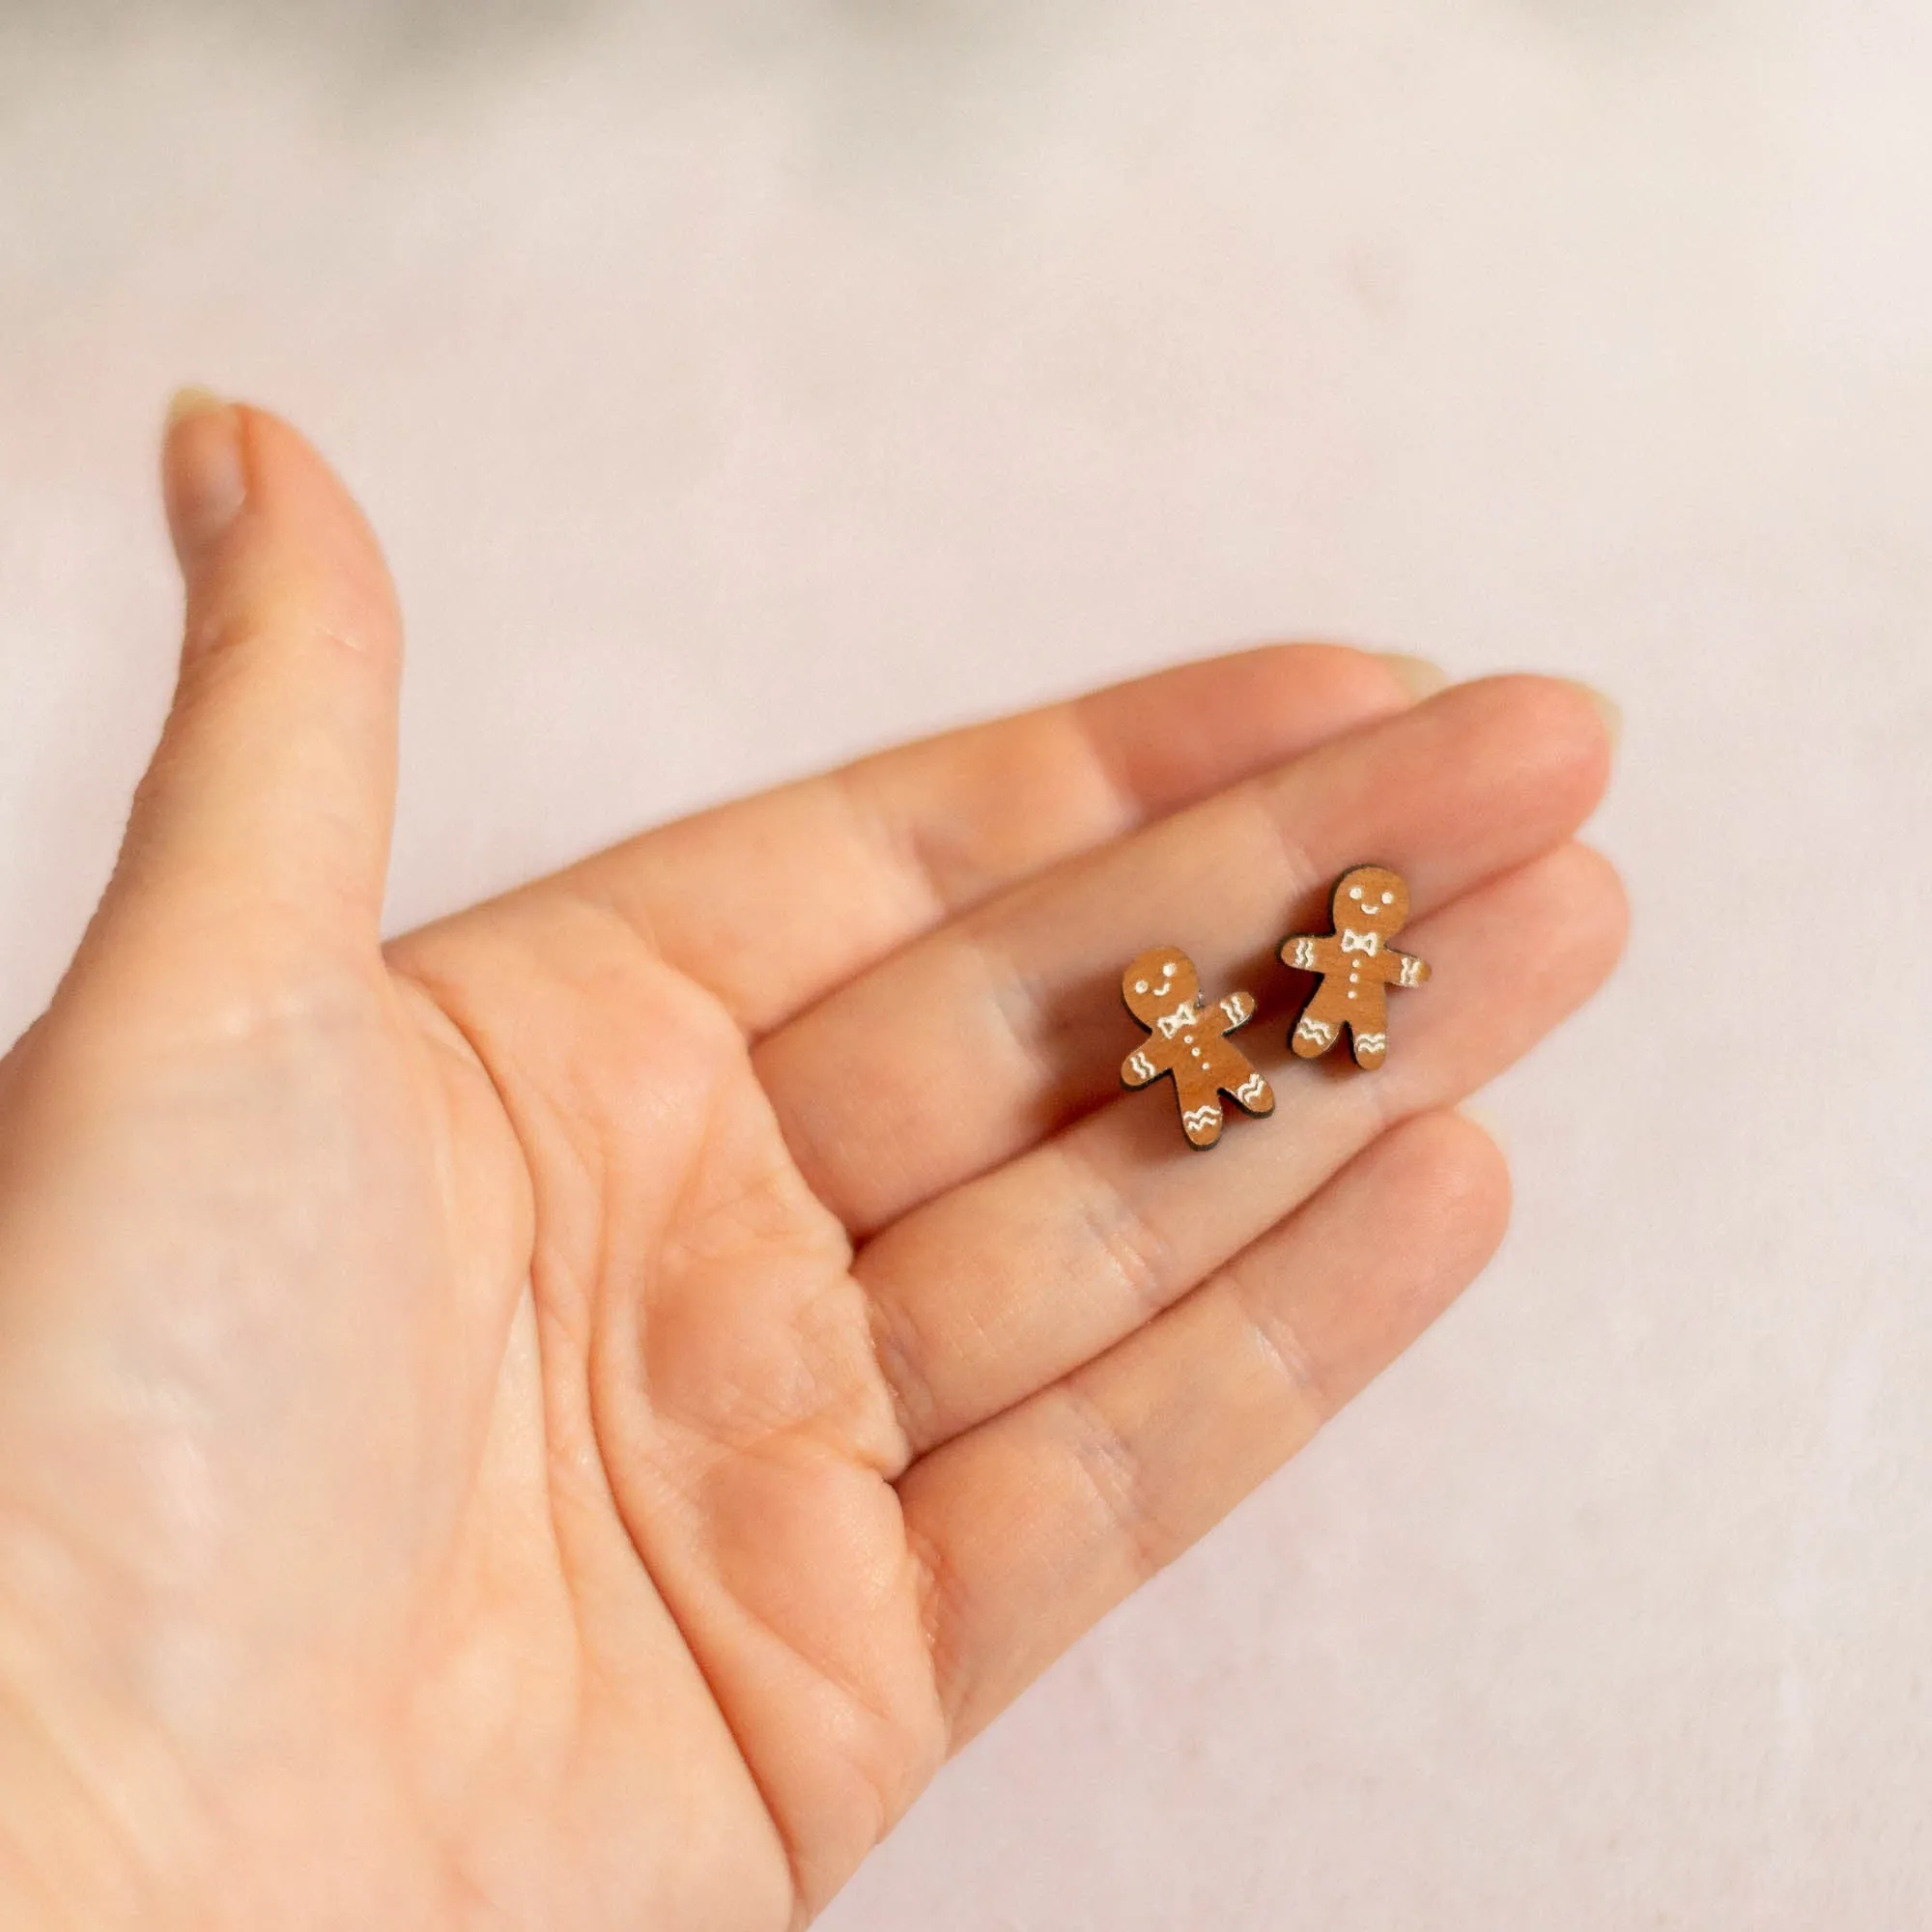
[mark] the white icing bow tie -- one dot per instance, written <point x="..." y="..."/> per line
<point x="1171" y="1024"/>
<point x="1370" y="942"/>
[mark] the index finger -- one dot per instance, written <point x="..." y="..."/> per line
<point x="774" y="900"/>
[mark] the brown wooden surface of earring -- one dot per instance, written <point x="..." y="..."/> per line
<point x="1357" y="966"/>
<point x="1189" y="1040"/>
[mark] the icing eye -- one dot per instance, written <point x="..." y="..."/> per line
<point x="1354" y="892"/>
<point x="1388" y="899"/>
<point x="1140" y="986"/>
<point x="1168" y="972"/>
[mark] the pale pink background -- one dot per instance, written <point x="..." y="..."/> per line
<point x="741" y="384"/>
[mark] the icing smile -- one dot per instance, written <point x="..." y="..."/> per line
<point x="1169" y="975"/>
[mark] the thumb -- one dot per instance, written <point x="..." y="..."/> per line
<point x="271" y="794"/>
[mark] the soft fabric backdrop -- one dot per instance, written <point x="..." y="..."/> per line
<point x="737" y="385"/>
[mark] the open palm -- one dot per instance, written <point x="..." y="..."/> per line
<point x="568" y="1420"/>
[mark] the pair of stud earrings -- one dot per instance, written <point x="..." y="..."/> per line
<point x="1189" y="1040"/>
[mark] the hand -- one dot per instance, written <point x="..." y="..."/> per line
<point x="567" y="1420"/>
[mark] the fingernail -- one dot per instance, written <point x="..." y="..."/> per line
<point x="1419" y="677"/>
<point x="1607" y="708"/>
<point x="204" y="480"/>
<point x="1481" y="1117"/>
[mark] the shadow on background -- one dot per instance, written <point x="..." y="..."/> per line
<point x="400" y="38"/>
<point x="368" y="39"/>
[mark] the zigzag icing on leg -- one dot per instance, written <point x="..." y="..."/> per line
<point x="1252" y="1091"/>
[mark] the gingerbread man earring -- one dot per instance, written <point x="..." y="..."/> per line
<point x="1357" y="967"/>
<point x="1190" y="1041"/>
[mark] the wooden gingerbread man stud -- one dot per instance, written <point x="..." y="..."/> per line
<point x="1357" y="967"/>
<point x="1163" y="993"/>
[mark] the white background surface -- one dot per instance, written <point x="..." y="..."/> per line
<point x="738" y="385"/>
